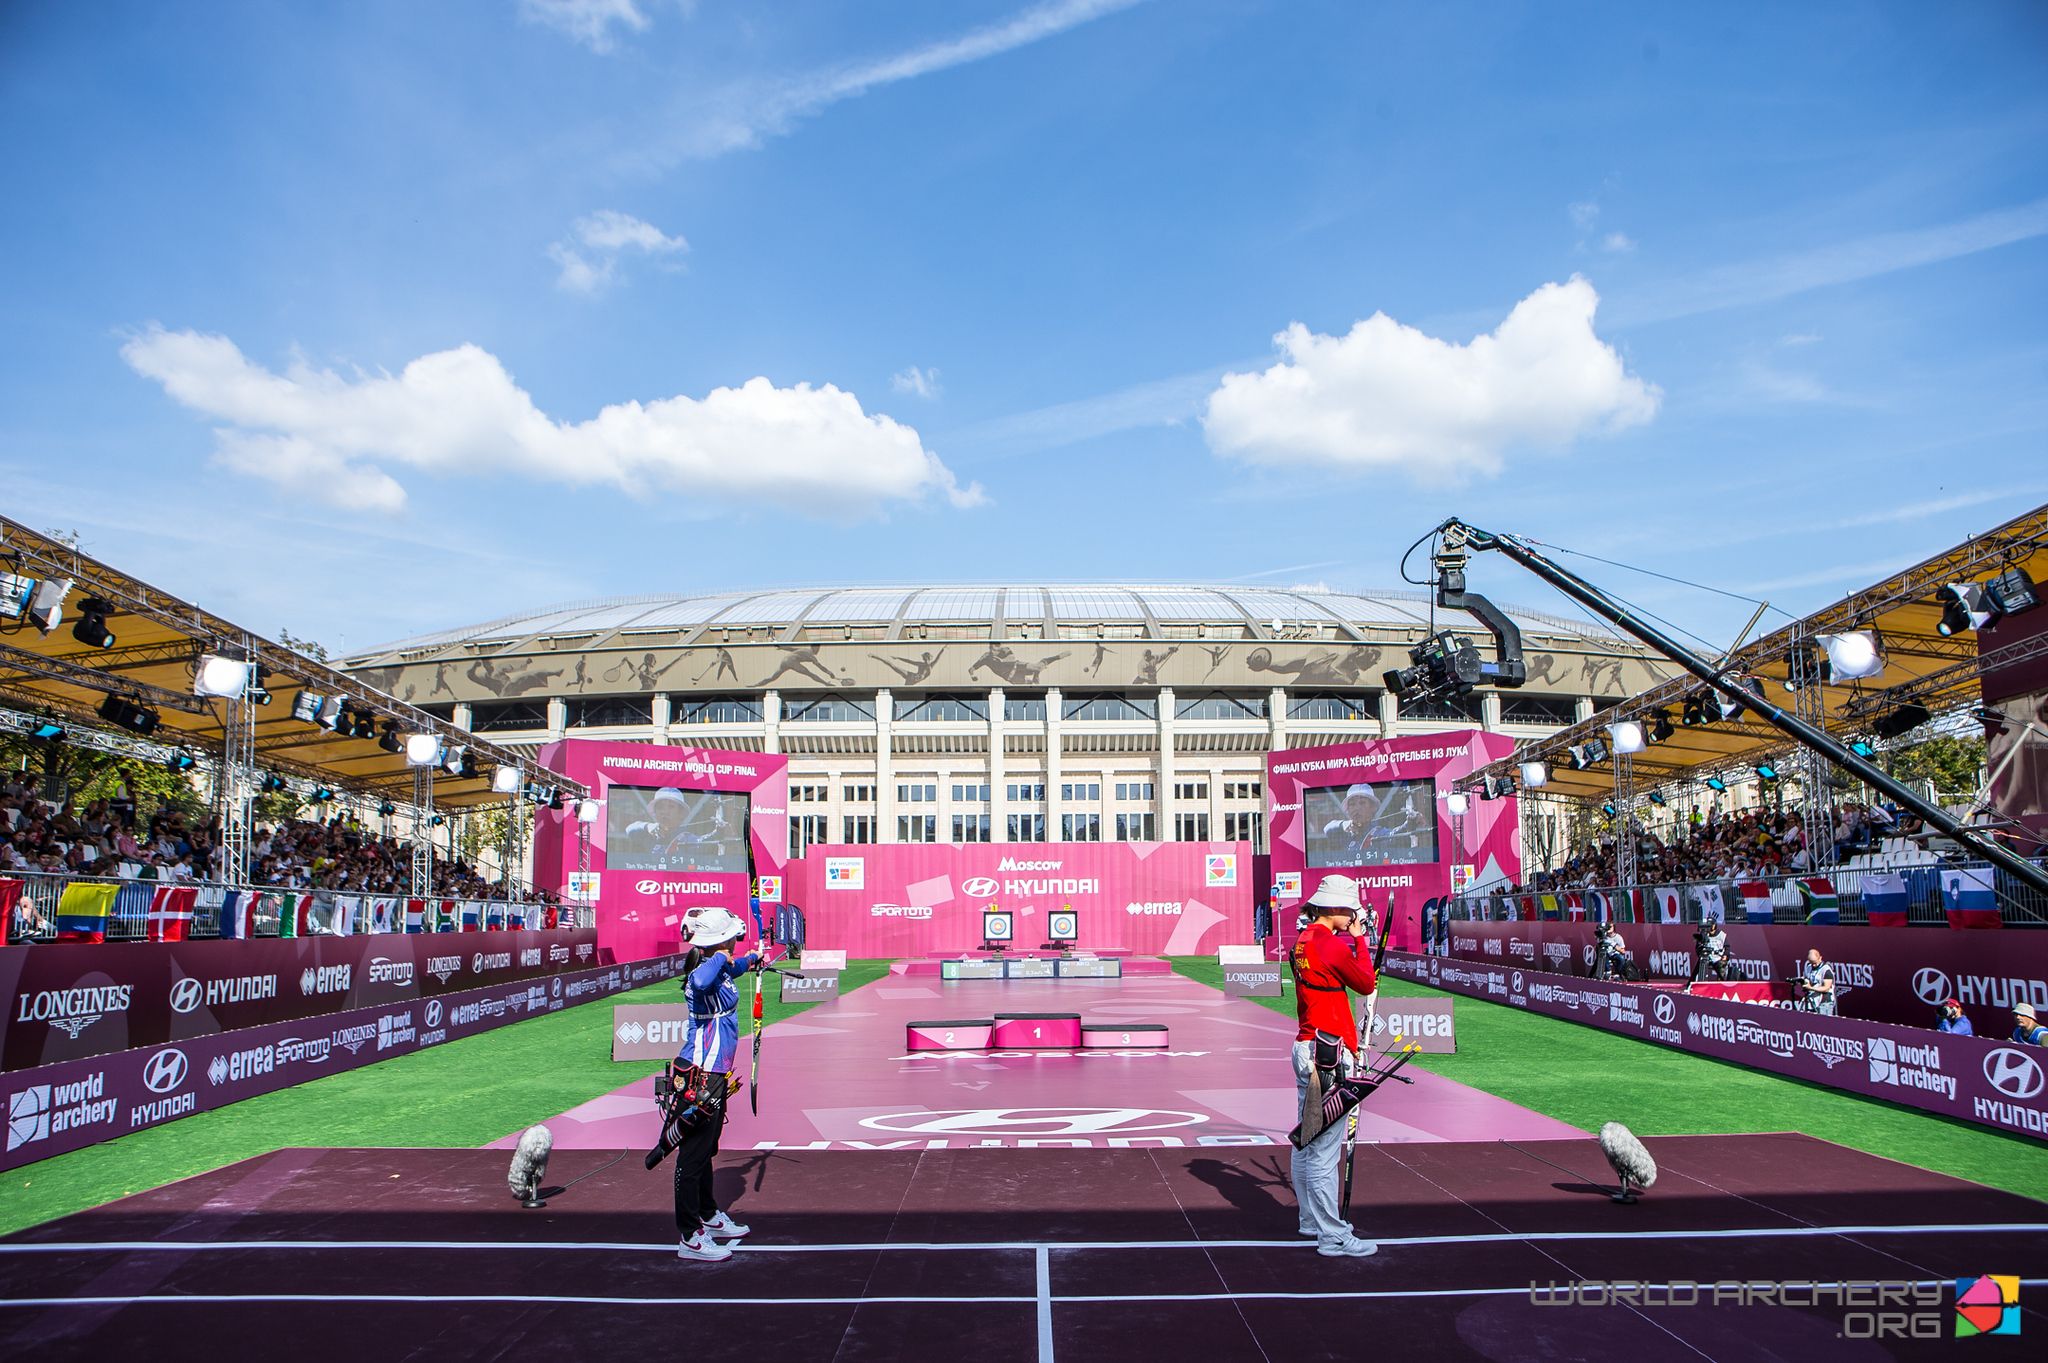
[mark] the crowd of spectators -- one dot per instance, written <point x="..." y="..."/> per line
<point x="1711" y="845"/>
<point x="106" y="837"/>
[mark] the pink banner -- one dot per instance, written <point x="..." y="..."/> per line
<point x="924" y="899"/>
<point x="1424" y="845"/>
<point x="677" y="829"/>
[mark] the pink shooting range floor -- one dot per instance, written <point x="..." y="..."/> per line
<point x="837" y="1077"/>
<point x="1132" y="965"/>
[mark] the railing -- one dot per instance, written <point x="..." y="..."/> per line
<point x="35" y="914"/>
<point x="2020" y="906"/>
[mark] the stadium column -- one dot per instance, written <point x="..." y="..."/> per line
<point x="1053" y="704"/>
<point x="771" y="719"/>
<point x="1582" y="709"/>
<point x="558" y="717"/>
<point x="885" y="770"/>
<point x="1489" y="711"/>
<point x="658" y="715"/>
<point x="1390" y="714"/>
<point x="1276" y="719"/>
<point x="462" y="716"/>
<point x="1164" y="794"/>
<point x="998" y="808"/>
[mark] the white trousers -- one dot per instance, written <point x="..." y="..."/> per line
<point x="1315" y="1171"/>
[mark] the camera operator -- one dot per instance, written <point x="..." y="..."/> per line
<point x="1611" y="960"/>
<point x="1817" y="984"/>
<point x="1711" y="960"/>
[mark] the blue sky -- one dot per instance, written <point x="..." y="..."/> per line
<point x="360" y="320"/>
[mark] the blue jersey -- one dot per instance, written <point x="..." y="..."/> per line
<point x="713" y="1042"/>
<point x="1956" y="1026"/>
<point x="2030" y="1036"/>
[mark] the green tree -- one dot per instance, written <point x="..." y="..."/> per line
<point x="1951" y="763"/>
<point x="312" y="648"/>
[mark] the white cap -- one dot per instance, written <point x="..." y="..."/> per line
<point x="1335" y="892"/>
<point x="715" y="927"/>
<point x="1361" y="789"/>
<point x="669" y="793"/>
<point x="2025" y="1010"/>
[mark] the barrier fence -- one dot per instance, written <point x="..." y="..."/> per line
<point x="136" y="912"/>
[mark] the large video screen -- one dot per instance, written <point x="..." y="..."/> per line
<point x="1386" y="823"/>
<point x="661" y="828"/>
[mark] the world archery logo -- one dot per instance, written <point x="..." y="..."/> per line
<point x="1989" y="1305"/>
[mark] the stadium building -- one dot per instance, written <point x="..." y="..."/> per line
<point x="994" y="713"/>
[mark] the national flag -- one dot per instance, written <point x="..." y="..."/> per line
<point x="1552" y="911"/>
<point x="291" y="921"/>
<point x="1756" y="901"/>
<point x="10" y="896"/>
<point x="415" y="915"/>
<point x="238" y="914"/>
<point x="446" y="914"/>
<point x="1632" y="906"/>
<point x="1669" y="909"/>
<point x="131" y="907"/>
<point x="384" y="915"/>
<point x="1822" y="907"/>
<point x="82" y="912"/>
<point x="1967" y="895"/>
<point x="472" y="916"/>
<point x="170" y="912"/>
<point x="1711" y="905"/>
<point x="1885" y="899"/>
<point x="1592" y="904"/>
<point x="347" y="908"/>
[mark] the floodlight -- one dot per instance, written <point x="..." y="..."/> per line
<point x="333" y="713"/>
<point x="1657" y="798"/>
<point x="387" y="809"/>
<point x="1456" y="802"/>
<point x="306" y="706"/>
<point x="1766" y="772"/>
<point x="467" y="771"/>
<point x="1496" y="787"/>
<point x="219" y="675"/>
<point x="15" y="591"/>
<point x="586" y="811"/>
<point x="422" y="750"/>
<point x="46" y="605"/>
<point x="259" y="688"/>
<point x="1627" y="736"/>
<point x="181" y="761"/>
<point x="1585" y="754"/>
<point x="91" y="629"/>
<point x="49" y="731"/>
<point x="389" y="740"/>
<point x="1534" y="775"/>
<point x="128" y="714"/>
<point x="452" y="757"/>
<point x="555" y="800"/>
<point x="1852" y="656"/>
<point x="322" y="794"/>
<point x="2013" y="591"/>
<point x="1716" y="783"/>
<point x="1660" y="726"/>
<point x="1863" y="747"/>
<point x="436" y="821"/>
<point x="273" y="783"/>
<point x="1608" y="809"/>
<point x="506" y="781"/>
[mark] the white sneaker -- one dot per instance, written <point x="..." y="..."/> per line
<point x="1347" y="1247"/>
<point x="702" y="1246"/>
<point x="725" y="1227"/>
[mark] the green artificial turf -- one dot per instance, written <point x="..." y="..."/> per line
<point x="1586" y="1076"/>
<point x="465" y="1093"/>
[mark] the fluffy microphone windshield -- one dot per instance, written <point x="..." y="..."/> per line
<point x="1632" y="1163"/>
<point x="530" y="1164"/>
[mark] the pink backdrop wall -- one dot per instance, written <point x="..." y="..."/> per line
<point x="639" y="912"/>
<point x="920" y="899"/>
<point x="1492" y="841"/>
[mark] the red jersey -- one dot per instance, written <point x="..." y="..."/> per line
<point x="1326" y="964"/>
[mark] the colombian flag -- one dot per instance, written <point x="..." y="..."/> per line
<point x="82" y="912"/>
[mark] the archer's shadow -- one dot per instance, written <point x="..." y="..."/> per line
<point x="1246" y="1187"/>
<point x="730" y="1183"/>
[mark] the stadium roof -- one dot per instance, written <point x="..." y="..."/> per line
<point x="1922" y="666"/>
<point x="158" y="640"/>
<point x="1060" y="607"/>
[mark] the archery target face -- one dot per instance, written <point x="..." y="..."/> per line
<point x="1063" y="926"/>
<point x="995" y="927"/>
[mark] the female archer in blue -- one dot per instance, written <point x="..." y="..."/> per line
<point x="703" y="1068"/>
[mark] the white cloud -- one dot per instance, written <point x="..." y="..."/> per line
<point x="589" y="255"/>
<point x="1617" y="243"/>
<point x="332" y="436"/>
<point x="587" y="21"/>
<point x="923" y="383"/>
<point x="1800" y="338"/>
<point x="1387" y="396"/>
<point x="1584" y="215"/>
<point x="743" y="115"/>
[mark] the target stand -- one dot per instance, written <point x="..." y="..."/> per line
<point x="998" y="931"/>
<point x="1063" y="928"/>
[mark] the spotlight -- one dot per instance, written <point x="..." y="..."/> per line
<point x="506" y="781"/>
<point x="306" y="706"/>
<point x="46" y="604"/>
<point x="387" y="809"/>
<point x="2013" y="591"/>
<point x="1496" y="787"/>
<point x="436" y="821"/>
<point x="1584" y="755"/>
<point x="1726" y="706"/>
<point x="468" y="770"/>
<point x="365" y="726"/>
<point x="272" y="784"/>
<point x="1973" y="605"/>
<point x="1660" y="726"/>
<point x="259" y="689"/>
<point x="1699" y="709"/>
<point x="220" y="675"/>
<point x="128" y="714"/>
<point x="1903" y="720"/>
<point x="1627" y="736"/>
<point x="1852" y="656"/>
<point x="91" y="629"/>
<point x="452" y="759"/>
<point x="555" y="800"/>
<point x="389" y="740"/>
<point x="1715" y="783"/>
<point x="181" y="761"/>
<point x="586" y="811"/>
<point x="1766" y="772"/>
<point x="1863" y="747"/>
<point x="1456" y="802"/>
<point x="322" y="794"/>
<point x="422" y="750"/>
<point x="1534" y="775"/>
<point x="1608" y="809"/>
<point x="49" y="731"/>
<point x="1657" y="798"/>
<point x="15" y="591"/>
<point x="334" y="714"/>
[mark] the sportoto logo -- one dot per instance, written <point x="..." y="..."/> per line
<point x="186" y="995"/>
<point x="165" y="1071"/>
<point x="979" y="887"/>
<point x="2014" y="1073"/>
<point x="1034" y="1121"/>
<point x="1665" y="1009"/>
<point x="1930" y="984"/>
<point x="433" y="1012"/>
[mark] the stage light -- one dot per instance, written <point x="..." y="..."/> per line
<point x="555" y="801"/>
<point x="586" y="811"/>
<point x="436" y="821"/>
<point x="1973" y="605"/>
<point x="1496" y="787"/>
<point x="1766" y="772"/>
<point x="181" y="761"/>
<point x="46" y="605"/>
<point x="1535" y="775"/>
<point x="1627" y="736"/>
<point x="507" y="780"/>
<point x="49" y="731"/>
<point x="306" y="706"/>
<point x="387" y="809"/>
<point x="130" y="715"/>
<point x="273" y="783"/>
<point x="1584" y="755"/>
<point x="1608" y="809"/>
<point x="333" y="713"/>
<point x="1852" y="656"/>
<point x="219" y="675"/>
<point x="1862" y="747"/>
<point x="1903" y="720"/>
<point x="468" y="770"/>
<point x="15" y="591"/>
<point x="389" y="740"/>
<point x="322" y="794"/>
<point x="452" y="757"/>
<point x="422" y="750"/>
<point x="365" y="726"/>
<point x="2013" y="591"/>
<point x="259" y="688"/>
<point x="1715" y="783"/>
<point x="1456" y="802"/>
<point x="1657" y="798"/>
<point x="91" y="629"/>
<point x="1660" y="726"/>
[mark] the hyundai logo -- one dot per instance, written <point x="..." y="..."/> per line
<point x="478" y="964"/>
<point x="2014" y="1073"/>
<point x="433" y="1013"/>
<point x="165" y="1071"/>
<point x="647" y="886"/>
<point x="1665" y="1009"/>
<point x="186" y="994"/>
<point x="979" y="887"/>
<point x="1931" y="985"/>
<point x="1034" y="1121"/>
<point x="1515" y="982"/>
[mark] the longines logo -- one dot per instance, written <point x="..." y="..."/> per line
<point x="443" y="968"/>
<point x="73" y="1010"/>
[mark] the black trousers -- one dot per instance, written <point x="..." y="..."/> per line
<point x="694" y="1202"/>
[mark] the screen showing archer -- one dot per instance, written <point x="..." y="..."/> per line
<point x="649" y="828"/>
<point x="1387" y="823"/>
